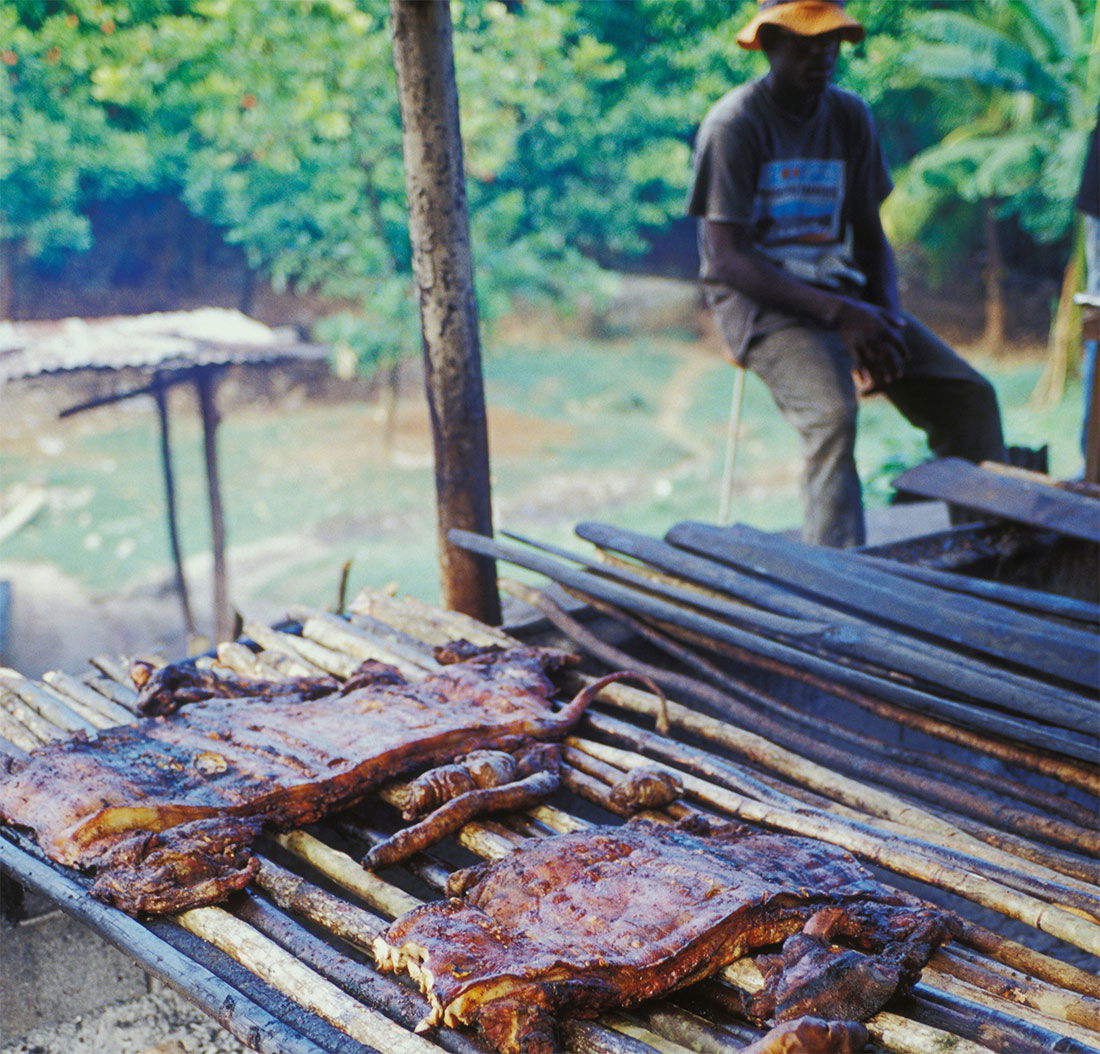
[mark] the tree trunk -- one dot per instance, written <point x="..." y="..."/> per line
<point x="443" y="268"/>
<point x="993" y="338"/>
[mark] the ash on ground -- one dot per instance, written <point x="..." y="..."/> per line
<point x="161" y="1022"/>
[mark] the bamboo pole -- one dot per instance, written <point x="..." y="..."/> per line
<point x="786" y="714"/>
<point x="47" y="704"/>
<point x="312" y="657"/>
<point x="86" y="701"/>
<point x="279" y="968"/>
<point x="889" y="852"/>
<point x="1034" y="759"/>
<point x="753" y="722"/>
<point x="885" y="807"/>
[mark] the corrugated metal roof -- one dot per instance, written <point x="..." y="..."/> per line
<point x="164" y="341"/>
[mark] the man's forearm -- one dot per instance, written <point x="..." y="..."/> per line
<point x="755" y="276"/>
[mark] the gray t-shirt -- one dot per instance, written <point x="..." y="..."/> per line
<point x="792" y="180"/>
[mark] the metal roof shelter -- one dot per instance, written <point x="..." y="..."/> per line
<point x="169" y="348"/>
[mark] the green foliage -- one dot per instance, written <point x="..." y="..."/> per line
<point x="278" y="121"/>
<point x="1017" y="84"/>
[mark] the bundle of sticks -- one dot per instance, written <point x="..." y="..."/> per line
<point x="303" y="930"/>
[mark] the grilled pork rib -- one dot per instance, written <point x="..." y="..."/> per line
<point x="166" y="809"/>
<point x="613" y="916"/>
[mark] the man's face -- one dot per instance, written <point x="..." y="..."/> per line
<point x="802" y="65"/>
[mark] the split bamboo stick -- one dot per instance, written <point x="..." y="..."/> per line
<point x="44" y="702"/>
<point x="889" y="852"/>
<point x="86" y="701"/>
<point x="312" y="657"/>
<point x="34" y="725"/>
<point x="786" y="715"/>
<point x="953" y="985"/>
<point x="885" y="807"/>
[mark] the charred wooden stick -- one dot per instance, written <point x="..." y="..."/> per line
<point x="1003" y="747"/>
<point x="358" y="979"/>
<point x="1018" y="988"/>
<point x="458" y="811"/>
<point x="882" y="683"/>
<point x="782" y="613"/>
<point x="784" y="715"/>
<point x="928" y="787"/>
<point x="279" y="968"/>
<point x="988" y="1025"/>
<point x="877" y="803"/>
<point x="1021" y="1008"/>
<point x="899" y="855"/>
<point x="840" y="580"/>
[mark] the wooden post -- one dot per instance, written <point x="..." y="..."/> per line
<point x="205" y="383"/>
<point x="160" y="396"/>
<point x="443" y="268"/>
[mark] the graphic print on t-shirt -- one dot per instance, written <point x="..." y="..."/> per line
<point x="799" y="201"/>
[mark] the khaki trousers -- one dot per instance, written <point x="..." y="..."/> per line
<point x="809" y="374"/>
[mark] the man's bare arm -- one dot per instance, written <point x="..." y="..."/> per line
<point x="871" y="331"/>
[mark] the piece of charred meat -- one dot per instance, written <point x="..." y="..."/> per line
<point x="163" y="691"/>
<point x="644" y="788"/>
<point x="612" y="916"/>
<point x="282" y="760"/>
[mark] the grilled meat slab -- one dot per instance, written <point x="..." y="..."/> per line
<point x="166" y="809"/>
<point x="613" y="916"/>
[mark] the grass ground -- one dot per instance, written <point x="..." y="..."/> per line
<point x="630" y="431"/>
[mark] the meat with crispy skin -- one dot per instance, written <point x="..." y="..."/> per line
<point x="612" y="916"/>
<point x="280" y="762"/>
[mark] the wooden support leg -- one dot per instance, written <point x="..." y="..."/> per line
<point x="206" y="383"/>
<point x="160" y="396"/>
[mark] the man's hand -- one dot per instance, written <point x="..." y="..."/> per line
<point x="874" y="337"/>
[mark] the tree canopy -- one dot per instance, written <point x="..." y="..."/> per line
<point x="278" y="121"/>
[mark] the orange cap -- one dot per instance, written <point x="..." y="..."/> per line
<point x="807" y="18"/>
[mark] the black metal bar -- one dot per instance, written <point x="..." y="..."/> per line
<point x="964" y="714"/>
<point x="248" y="1021"/>
<point x="841" y="581"/>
